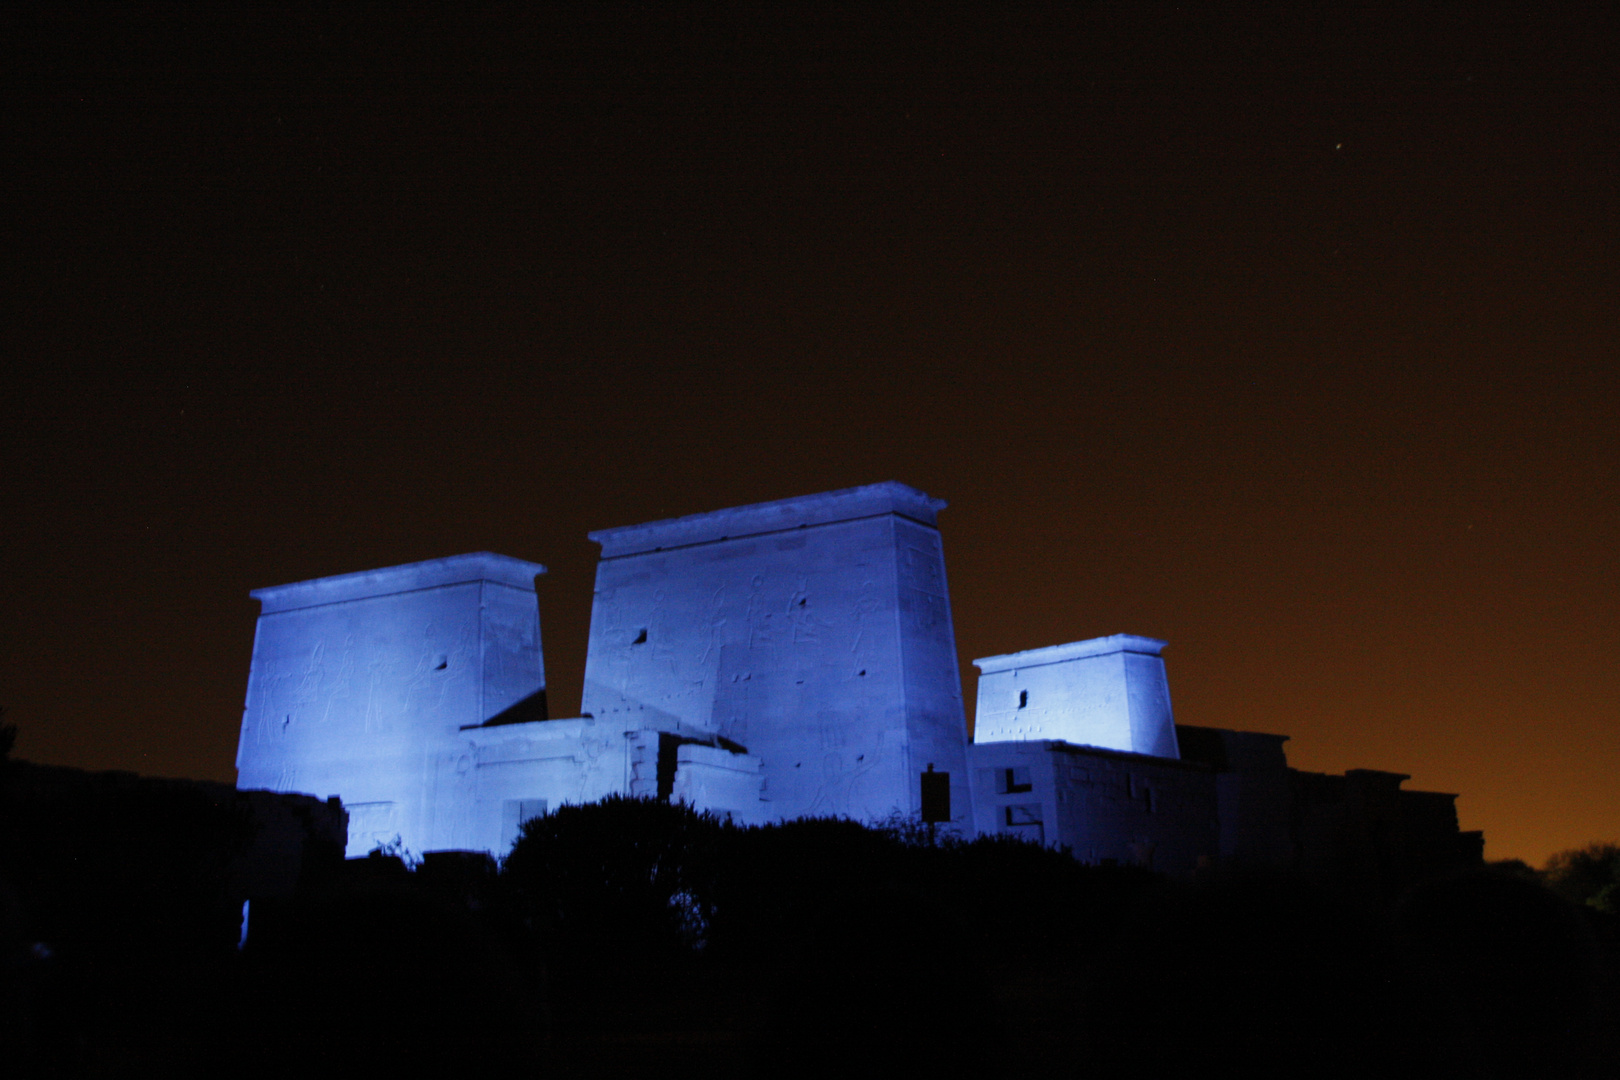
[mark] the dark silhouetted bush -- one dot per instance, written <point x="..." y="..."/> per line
<point x="1264" y="977"/>
<point x="1520" y="963"/>
<point x="622" y="880"/>
<point x="1589" y="875"/>
<point x="383" y="980"/>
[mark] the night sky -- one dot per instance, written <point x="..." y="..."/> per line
<point x="1286" y="335"/>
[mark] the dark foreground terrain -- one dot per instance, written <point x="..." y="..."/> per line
<point x="639" y="939"/>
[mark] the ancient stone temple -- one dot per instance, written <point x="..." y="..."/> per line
<point x="765" y="662"/>
<point x="786" y="659"/>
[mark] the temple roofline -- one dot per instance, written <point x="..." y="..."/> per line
<point x="390" y="580"/>
<point x="1074" y="650"/>
<point x="890" y="497"/>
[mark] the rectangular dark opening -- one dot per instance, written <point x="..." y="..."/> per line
<point x="667" y="746"/>
<point x="1021" y="814"/>
<point x="936" y="796"/>
<point x="1024" y="821"/>
<point x="1014" y="780"/>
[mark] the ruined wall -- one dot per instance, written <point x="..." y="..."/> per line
<point x="360" y="683"/>
<point x="814" y="632"/>
<point x="1102" y="806"/>
<point x="1254" y="791"/>
<point x="1363" y="827"/>
<point x="1109" y="692"/>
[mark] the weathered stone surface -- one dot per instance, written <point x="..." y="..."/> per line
<point x="1108" y="692"/>
<point x="816" y="632"/>
<point x="360" y="686"/>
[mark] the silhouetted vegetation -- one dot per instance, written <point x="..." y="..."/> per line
<point x="1588" y="875"/>
<point x="634" y="937"/>
<point x="386" y="976"/>
<point x="116" y="908"/>
<point x="621" y="881"/>
<point x="1521" y="968"/>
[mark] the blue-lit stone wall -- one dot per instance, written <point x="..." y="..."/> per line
<point x="766" y="662"/>
<point x="1109" y="692"/>
<point x="360" y="686"/>
<point x="814" y="632"/>
<point x="1102" y="806"/>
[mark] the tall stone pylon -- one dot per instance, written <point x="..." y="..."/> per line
<point x="361" y="686"/>
<point x="813" y="632"/>
<point x="1109" y="692"/>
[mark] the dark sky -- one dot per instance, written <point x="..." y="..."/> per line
<point x="1285" y="335"/>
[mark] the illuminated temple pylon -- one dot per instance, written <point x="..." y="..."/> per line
<point x="362" y="683"/>
<point x="815" y="632"/>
